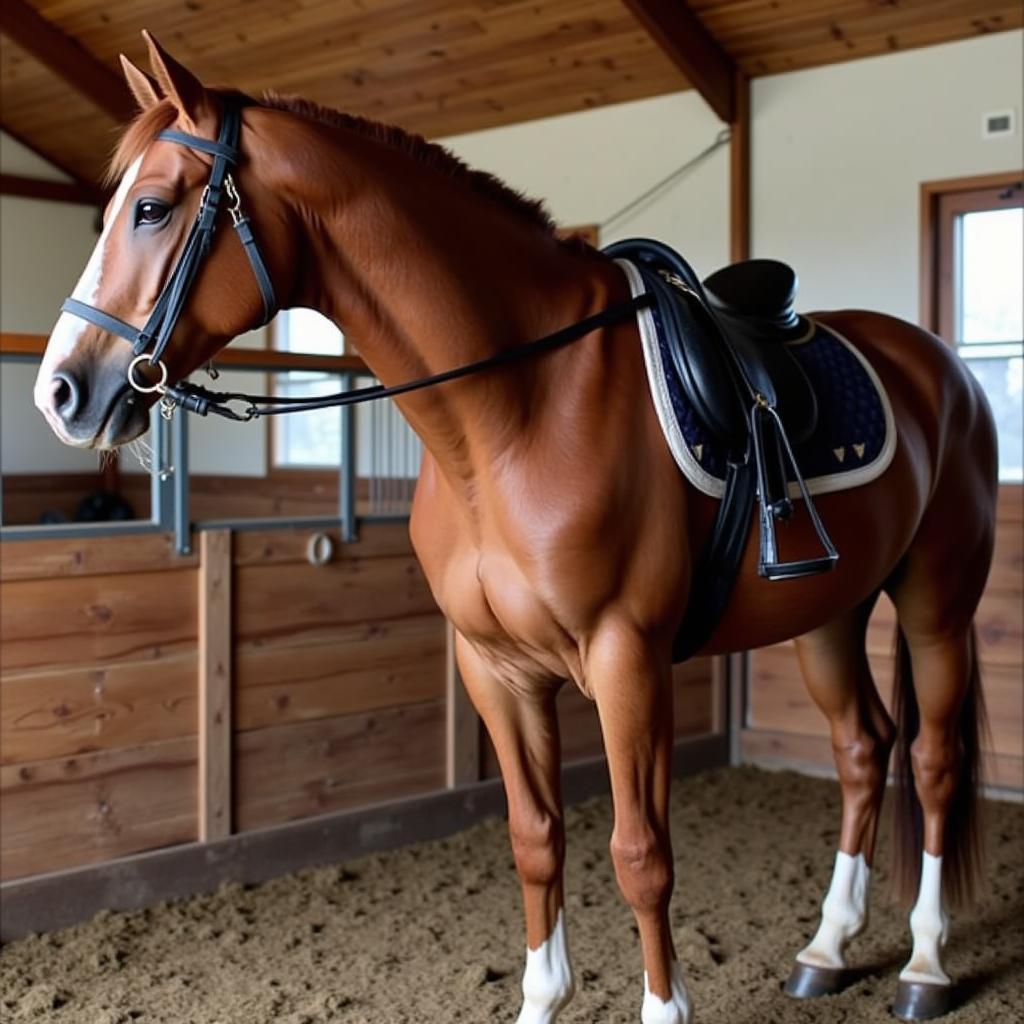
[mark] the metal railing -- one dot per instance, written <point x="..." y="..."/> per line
<point x="378" y="461"/>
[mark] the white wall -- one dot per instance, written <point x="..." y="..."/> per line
<point x="839" y="154"/>
<point x="43" y="248"/>
<point x="18" y="159"/>
<point x="591" y="164"/>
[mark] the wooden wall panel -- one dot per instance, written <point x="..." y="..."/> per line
<point x="783" y="722"/>
<point x="363" y="667"/>
<point x="340" y="675"/>
<point x="301" y="600"/>
<point x="294" y="771"/>
<point x="145" y="615"/>
<point x="278" y="547"/>
<point x="79" y="810"/>
<point x="98" y="672"/>
<point x="62" y="712"/>
<point x="95" y="556"/>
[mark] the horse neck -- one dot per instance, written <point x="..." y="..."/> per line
<point x="424" y="274"/>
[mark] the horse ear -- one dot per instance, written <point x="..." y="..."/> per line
<point x="143" y="88"/>
<point x="177" y="82"/>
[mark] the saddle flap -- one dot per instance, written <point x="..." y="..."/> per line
<point x="694" y="346"/>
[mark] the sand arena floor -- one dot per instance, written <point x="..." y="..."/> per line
<point x="433" y="932"/>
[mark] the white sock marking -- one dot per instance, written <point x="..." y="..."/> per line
<point x="548" y="983"/>
<point x="929" y="925"/>
<point x="679" y="1007"/>
<point x="844" y="913"/>
<point x="68" y="329"/>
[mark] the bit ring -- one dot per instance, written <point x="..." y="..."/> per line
<point x="147" y="389"/>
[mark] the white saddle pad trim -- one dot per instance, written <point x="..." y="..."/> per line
<point x="681" y="452"/>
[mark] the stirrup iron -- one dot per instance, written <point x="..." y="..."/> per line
<point x="772" y="456"/>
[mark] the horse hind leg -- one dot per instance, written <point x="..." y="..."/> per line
<point x="940" y="718"/>
<point x="524" y="730"/>
<point x="837" y="675"/>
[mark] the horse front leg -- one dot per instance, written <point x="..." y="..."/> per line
<point x="523" y="727"/>
<point x="632" y="684"/>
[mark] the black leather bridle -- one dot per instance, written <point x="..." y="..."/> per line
<point x="157" y="330"/>
<point x="149" y="341"/>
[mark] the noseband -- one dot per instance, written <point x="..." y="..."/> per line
<point x="157" y="331"/>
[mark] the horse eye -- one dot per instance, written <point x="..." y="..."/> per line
<point x="150" y="211"/>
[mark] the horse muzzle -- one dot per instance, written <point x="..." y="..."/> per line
<point x="89" y="412"/>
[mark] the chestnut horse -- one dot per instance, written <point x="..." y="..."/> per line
<point x="555" y="530"/>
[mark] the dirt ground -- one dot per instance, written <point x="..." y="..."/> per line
<point x="433" y="932"/>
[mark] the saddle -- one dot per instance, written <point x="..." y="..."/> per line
<point x="726" y="342"/>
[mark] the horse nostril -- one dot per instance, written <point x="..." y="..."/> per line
<point x="66" y="395"/>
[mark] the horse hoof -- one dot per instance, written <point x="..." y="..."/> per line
<point x="808" y="982"/>
<point x="918" y="1000"/>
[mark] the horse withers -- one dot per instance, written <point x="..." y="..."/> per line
<point x="551" y="517"/>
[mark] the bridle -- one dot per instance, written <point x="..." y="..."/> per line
<point x="158" y="328"/>
<point x="150" y="341"/>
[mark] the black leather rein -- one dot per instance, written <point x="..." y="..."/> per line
<point x="200" y="400"/>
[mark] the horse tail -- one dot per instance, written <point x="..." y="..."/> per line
<point x="962" y="844"/>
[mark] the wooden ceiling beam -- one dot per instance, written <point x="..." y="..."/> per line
<point x="66" y="58"/>
<point x="56" y="191"/>
<point x="77" y="179"/>
<point x="680" y="34"/>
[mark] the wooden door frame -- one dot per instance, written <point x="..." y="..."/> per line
<point x="932" y="193"/>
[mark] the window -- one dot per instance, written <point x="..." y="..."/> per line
<point x="977" y="291"/>
<point x="311" y="439"/>
<point x="387" y="452"/>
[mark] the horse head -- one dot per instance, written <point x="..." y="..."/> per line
<point x="93" y="384"/>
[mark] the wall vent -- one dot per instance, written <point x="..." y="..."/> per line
<point x="999" y="124"/>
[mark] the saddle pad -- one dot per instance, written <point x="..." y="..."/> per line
<point x="856" y="434"/>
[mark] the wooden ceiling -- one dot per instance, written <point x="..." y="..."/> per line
<point x="438" y="67"/>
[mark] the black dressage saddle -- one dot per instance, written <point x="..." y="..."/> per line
<point x="727" y="342"/>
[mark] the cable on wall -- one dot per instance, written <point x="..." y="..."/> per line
<point x="721" y="139"/>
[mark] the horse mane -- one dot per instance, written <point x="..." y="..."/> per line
<point x="141" y="132"/>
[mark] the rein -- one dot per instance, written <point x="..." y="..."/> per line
<point x="200" y="400"/>
<point x="160" y="325"/>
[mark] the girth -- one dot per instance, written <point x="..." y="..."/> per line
<point x="150" y="341"/>
<point x="740" y="389"/>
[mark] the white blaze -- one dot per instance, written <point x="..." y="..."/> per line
<point x="68" y="328"/>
